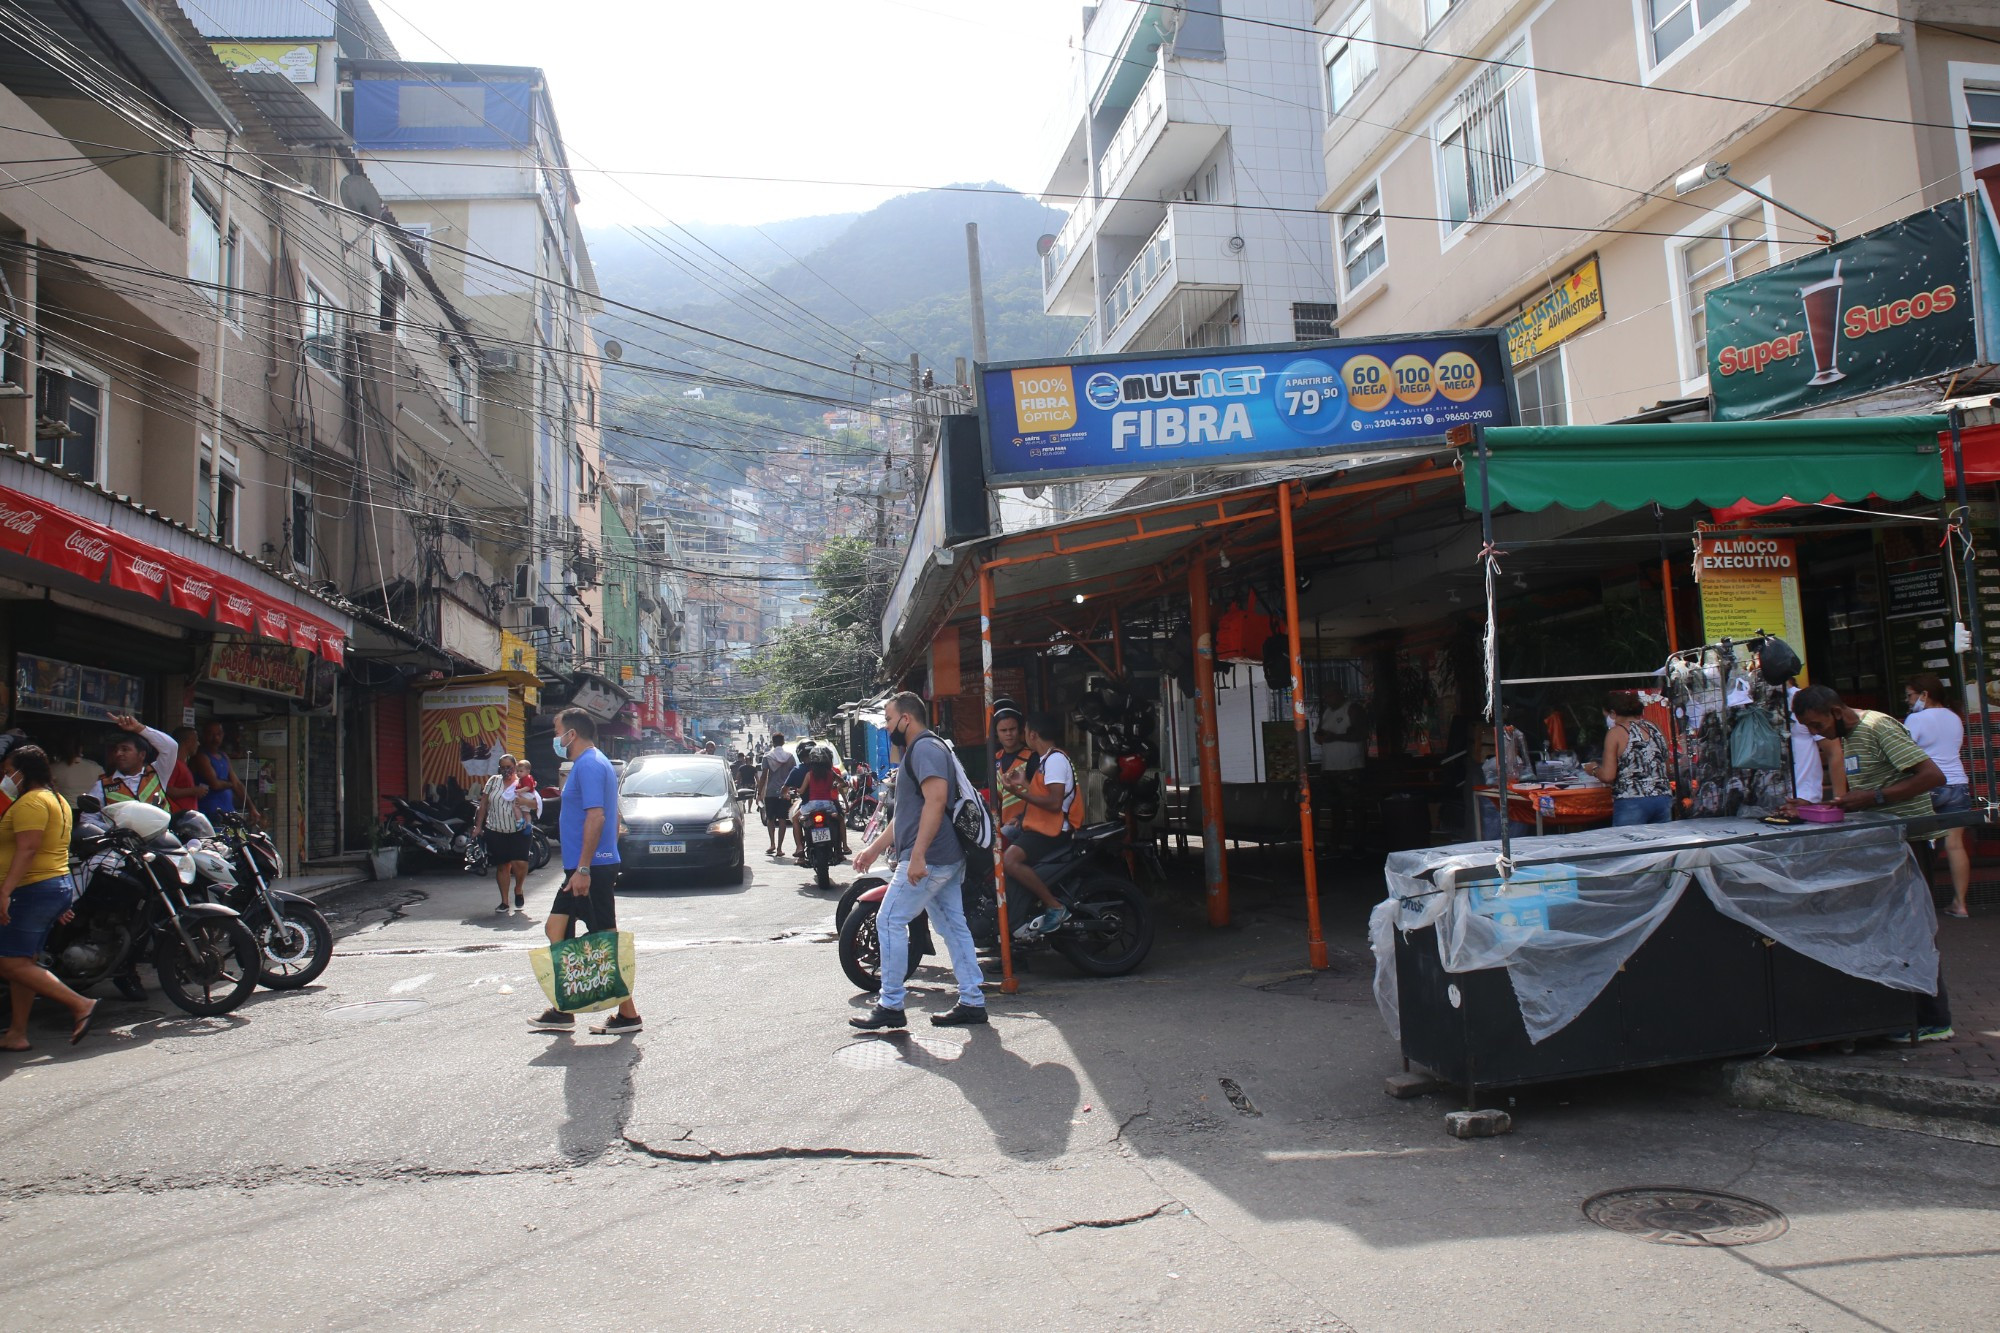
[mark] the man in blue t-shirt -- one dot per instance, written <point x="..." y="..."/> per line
<point x="589" y="827"/>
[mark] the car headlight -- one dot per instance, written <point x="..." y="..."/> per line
<point x="726" y="824"/>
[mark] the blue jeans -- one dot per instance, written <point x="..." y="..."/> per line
<point x="1489" y="822"/>
<point x="32" y="913"/>
<point x="939" y="892"/>
<point x="1641" y="810"/>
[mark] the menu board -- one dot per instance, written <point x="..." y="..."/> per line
<point x="48" y="685"/>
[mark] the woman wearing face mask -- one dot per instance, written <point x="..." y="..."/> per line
<point x="1634" y="764"/>
<point x="1933" y="725"/>
<point x="499" y="819"/>
<point x="34" y="891"/>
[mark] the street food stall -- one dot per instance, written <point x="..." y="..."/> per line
<point x="1524" y="959"/>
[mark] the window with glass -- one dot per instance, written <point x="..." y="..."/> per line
<point x="1486" y="140"/>
<point x="205" y="244"/>
<point x="69" y="420"/>
<point x="1435" y="10"/>
<point x="1735" y="248"/>
<point x="1363" y="244"/>
<point x="461" y="388"/>
<point x="322" y="327"/>
<point x="302" y="526"/>
<point x="1672" y="24"/>
<point x="1982" y="118"/>
<point x="1540" y="393"/>
<point x="1350" y="57"/>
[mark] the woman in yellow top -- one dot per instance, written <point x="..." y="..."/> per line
<point x="34" y="891"/>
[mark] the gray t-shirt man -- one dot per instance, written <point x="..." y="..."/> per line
<point x="778" y="765"/>
<point x="926" y="757"/>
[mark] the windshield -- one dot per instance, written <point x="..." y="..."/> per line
<point x="697" y="778"/>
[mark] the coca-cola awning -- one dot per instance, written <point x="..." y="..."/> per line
<point x="51" y="535"/>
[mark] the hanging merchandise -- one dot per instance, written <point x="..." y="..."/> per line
<point x="1278" y="663"/>
<point x="1229" y="635"/>
<point x="1240" y="635"/>
<point x="1753" y="742"/>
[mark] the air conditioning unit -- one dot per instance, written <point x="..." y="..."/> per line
<point x="504" y="359"/>
<point x="538" y="617"/>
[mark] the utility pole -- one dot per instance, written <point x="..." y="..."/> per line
<point x="978" y="293"/>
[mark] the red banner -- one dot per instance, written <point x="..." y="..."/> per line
<point x="140" y="569"/>
<point x="19" y="518"/>
<point x="305" y="632"/>
<point x="190" y="588"/>
<point x="332" y="644"/>
<point x="74" y="545"/>
<point x="235" y="605"/>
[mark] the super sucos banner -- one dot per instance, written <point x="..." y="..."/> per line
<point x="1120" y="416"/>
<point x="1889" y="307"/>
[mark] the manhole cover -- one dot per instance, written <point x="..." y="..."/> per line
<point x="374" y="1011"/>
<point x="902" y="1051"/>
<point x="1665" y="1215"/>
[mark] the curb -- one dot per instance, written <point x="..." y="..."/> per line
<point x="1947" y="1108"/>
<point x="315" y="892"/>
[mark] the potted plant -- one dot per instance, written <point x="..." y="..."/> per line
<point x="383" y="856"/>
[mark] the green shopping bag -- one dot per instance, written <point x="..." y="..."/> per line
<point x="583" y="975"/>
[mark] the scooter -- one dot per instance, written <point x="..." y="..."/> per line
<point x="1109" y="933"/>
<point x="427" y="836"/>
<point x="822" y="846"/>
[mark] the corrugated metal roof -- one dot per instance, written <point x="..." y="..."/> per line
<point x="294" y="117"/>
<point x="123" y="37"/>
<point x="253" y="19"/>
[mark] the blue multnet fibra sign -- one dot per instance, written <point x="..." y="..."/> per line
<point x="1126" y="415"/>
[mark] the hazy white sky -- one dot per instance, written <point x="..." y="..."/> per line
<point x="915" y="92"/>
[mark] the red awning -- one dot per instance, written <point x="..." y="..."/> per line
<point x="1982" y="454"/>
<point x="61" y="540"/>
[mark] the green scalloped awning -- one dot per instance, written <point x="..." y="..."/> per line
<point x="1713" y="463"/>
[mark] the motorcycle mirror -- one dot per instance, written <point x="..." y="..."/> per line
<point x="88" y="805"/>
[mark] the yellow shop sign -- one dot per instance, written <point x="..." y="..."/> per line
<point x="1575" y="304"/>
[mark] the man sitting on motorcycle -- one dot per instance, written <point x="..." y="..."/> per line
<point x="1012" y="756"/>
<point x="819" y="792"/>
<point x="127" y="776"/>
<point x="1050" y="809"/>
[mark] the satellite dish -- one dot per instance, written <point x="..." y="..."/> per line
<point x="1032" y="492"/>
<point x="614" y="350"/>
<point x="1045" y="243"/>
<point x="359" y="193"/>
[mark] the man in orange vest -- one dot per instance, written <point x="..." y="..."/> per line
<point x="1050" y="804"/>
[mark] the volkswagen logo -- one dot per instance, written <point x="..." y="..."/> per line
<point x="666" y="828"/>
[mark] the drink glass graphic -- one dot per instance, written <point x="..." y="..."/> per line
<point x="1822" y="303"/>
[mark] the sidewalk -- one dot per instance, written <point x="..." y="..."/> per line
<point x="318" y="883"/>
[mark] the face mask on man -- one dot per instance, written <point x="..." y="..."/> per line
<point x="562" y="749"/>
<point x="1917" y="705"/>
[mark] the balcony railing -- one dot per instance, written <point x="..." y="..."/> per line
<point x="1086" y="339"/>
<point x="1067" y="240"/>
<point x="1148" y="107"/>
<point x="1155" y="258"/>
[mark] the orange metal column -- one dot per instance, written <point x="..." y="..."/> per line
<point x="1315" y="941"/>
<point x="1008" y="985"/>
<point x="1215" y="861"/>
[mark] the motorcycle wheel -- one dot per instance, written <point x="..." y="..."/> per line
<point x="538" y="849"/>
<point x="860" y="950"/>
<point x="222" y="973"/>
<point x="296" y="948"/>
<point x="822" y="875"/>
<point x="1113" y="931"/>
<point x="845" y="906"/>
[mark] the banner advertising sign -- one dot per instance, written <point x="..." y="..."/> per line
<point x="297" y="61"/>
<point x="46" y="685"/>
<point x="464" y="729"/>
<point x="248" y="664"/>
<point x="1890" y="306"/>
<point x="1749" y="585"/>
<point x="1576" y="303"/>
<point x="1111" y="416"/>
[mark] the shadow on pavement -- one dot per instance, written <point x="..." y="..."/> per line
<point x="597" y="1088"/>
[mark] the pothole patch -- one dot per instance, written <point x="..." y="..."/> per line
<point x="376" y="1011"/>
<point x="1673" y="1215"/>
<point x="899" y="1052"/>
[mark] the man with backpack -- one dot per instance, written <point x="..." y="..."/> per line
<point x="929" y="871"/>
<point x="1049" y="811"/>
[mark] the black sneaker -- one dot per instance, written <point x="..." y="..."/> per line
<point x="879" y="1018"/>
<point x="619" y="1026"/>
<point x="554" y="1020"/>
<point x="960" y="1016"/>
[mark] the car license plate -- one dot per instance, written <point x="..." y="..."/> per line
<point x="822" y="835"/>
<point x="667" y="848"/>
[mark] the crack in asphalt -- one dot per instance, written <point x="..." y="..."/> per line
<point x="670" y="1153"/>
<point x="1107" y="1223"/>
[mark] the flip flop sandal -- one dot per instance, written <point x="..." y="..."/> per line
<point x="82" y="1027"/>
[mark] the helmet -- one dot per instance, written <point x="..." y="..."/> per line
<point x="1131" y="768"/>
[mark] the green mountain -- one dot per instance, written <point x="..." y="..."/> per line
<point x="809" y="296"/>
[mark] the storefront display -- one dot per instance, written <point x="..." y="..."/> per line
<point x="64" y="689"/>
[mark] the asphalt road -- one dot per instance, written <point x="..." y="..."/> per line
<point x="393" y="1148"/>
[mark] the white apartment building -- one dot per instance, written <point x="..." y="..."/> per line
<point x="470" y="160"/>
<point x="1187" y="158"/>
<point x="1483" y="154"/>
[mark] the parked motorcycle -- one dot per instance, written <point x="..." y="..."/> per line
<point x="430" y="840"/>
<point x="1109" y="933"/>
<point x="135" y="906"/>
<point x="235" y="865"/>
<point x="862" y="802"/>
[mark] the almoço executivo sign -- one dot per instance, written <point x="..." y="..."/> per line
<point x="1223" y="407"/>
<point x="1889" y="307"/>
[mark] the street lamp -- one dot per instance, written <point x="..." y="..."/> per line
<point x="1695" y="178"/>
